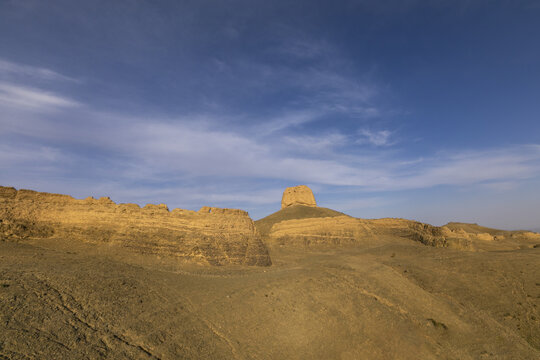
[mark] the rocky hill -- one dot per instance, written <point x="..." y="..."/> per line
<point x="309" y="226"/>
<point x="210" y="236"/>
<point x="292" y="212"/>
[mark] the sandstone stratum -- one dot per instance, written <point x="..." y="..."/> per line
<point x="210" y="236"/>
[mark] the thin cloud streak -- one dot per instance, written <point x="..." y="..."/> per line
<point x="285" y="121"/>
<point x="17" y="96"/>
<point x="8" y="68"/>
<point x="13" y="156"/>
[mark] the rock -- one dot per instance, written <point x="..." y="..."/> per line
<point x="213" y="236"/>
<point x="484" y="237"/>
<point x="528" y="235"/>
<point x="215" y="210"/>
<point x="7" y="192"/>
<point x="298" y="195"/>
<point x="348" y="231"/>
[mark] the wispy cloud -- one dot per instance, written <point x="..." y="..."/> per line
<point x="330" y="90"/>
<point x="377" y="138"/>
<point x="469" y="167"/>
<point x="23" y="155"/>
<point x="181" y="149"/>
<point x="327" y="78"/>
<point x="13" y="95"/>
<point x="8" y="68"/>
<point x="304" y="48"/>
<point x="284" y="121"/>
<point x="353" y="203"/>
<point x="322" y="84"/>
<point x="315" y="145"/>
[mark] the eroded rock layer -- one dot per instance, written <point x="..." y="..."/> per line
<point x="210" y="236"/>
<point x="349" y="231"/>
<point x="346" y="230"/>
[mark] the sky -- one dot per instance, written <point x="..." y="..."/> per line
<point x="426" y="110"/>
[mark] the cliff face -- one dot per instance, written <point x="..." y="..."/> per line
<point x="210" y="236"/>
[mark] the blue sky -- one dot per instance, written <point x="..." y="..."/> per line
<point x="427" y="110"/>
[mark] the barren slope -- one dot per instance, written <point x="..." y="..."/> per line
<point x="403" y="301"/>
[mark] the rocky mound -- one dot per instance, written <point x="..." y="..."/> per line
<point x="293" y="212"/>
<point x="306" y="226"/>
<point x="211" y="236"/>
<point x="298" y="195"/>
<point x="346" y="230"/>
<point x="496" y="236"/>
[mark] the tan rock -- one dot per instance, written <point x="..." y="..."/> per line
<point x="223" y="211"/>
<point x="327" y="231"/>
<point x="484" y="237"/>
<point x="298" y="195"/>
<point x="7" y="192"/>
<point x="338" y="231"/>
<point x="215" y="236"/>
<point x="528" y="235"/>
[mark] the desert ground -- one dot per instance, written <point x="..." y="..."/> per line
<point x="381" y="297"/>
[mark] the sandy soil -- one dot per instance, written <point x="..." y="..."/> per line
<point x="69" y="300"/>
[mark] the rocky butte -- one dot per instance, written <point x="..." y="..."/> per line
<point x="298" y="195"/>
